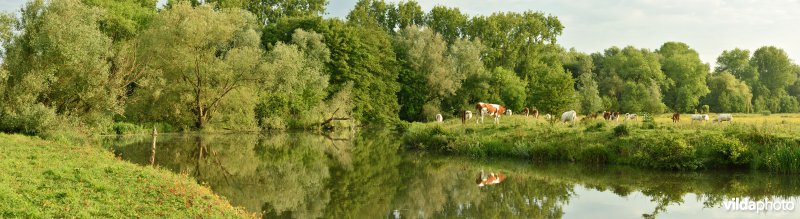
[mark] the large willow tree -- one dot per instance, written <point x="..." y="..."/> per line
<point x="205" y="57"/>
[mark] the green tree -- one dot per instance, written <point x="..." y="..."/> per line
<point x="510" y="88"/>
<point x="686" y="76"/>
<point x="775" y="69"/>
<point x="49" y="70"/>
<point x="361" y="55"/>
<point x="553" y="91"/>
<point x="407" y="14"/>
<point x="449" y="22"/>
<point x="618" y="68"/>
<point x="728" y="94"/>
<point x="427" y="76"/>
<point x="203" y="56"/>
<point x="476" y="87"/>
<point x="737" y="62"/>
<point x="296" y="85"/>
<point x="124" y="19"/>
<point x="270" y="11"/>
<point x="510" y="36"/>
<point x="589" y="95"/>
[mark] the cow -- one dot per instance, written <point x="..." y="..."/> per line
<point x="569" y="116"/>
<point x="491" y="179"/>
<point x="548" y="117"/>
<point x="699" y="117"/>
<point x="439" y="118"/>
<point x="724" y="117"/>
<point x="466" y="115"/>
<point x="676" y="117"/>
<point x="526" y="111"/>
<point x="508" y="112"/>
<point x="606" y="115"/>
<point x="592" y="116"/>
<point x="535" y="113"/>
<point x="629" y="116"/>
<point x="493" y="110"/>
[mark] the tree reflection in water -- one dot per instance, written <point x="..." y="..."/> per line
<point x="303" y="175"/>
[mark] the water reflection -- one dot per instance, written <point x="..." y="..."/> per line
<point x="303" y="175"/>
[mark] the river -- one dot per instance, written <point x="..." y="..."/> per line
<point x="371" y="175"/>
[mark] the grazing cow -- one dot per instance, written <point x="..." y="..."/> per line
<point x="548" y="117"/>
<point x="535" y="113"/>
<point x="491" y="179"/>
<point x="699" y="117"/>
<point x="724" y="117"/>
<point x="606" y="115"/>
<point x="508" y="112"/>
<point x="439" y="118"/>
<point x="569" y="116"/>
<point x="466" y="115"/>
<point x="526" y="111"/>
<point x="493" y="110"/>
<point x="629" y="116"/>
<point x="676" y="117"/>
<point x="592" y="116"/>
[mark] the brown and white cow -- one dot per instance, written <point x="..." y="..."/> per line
<point x="493" y="110"/>
<point x="526" y="111"/>
<point x="535" y="113"/>
<point x="491" y="179"/>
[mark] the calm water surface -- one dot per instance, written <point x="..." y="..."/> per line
<point x="370" y="175"/>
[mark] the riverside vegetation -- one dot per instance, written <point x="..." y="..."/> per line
<point x="753" y="141"/>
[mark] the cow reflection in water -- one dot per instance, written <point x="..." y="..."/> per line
<point x="492" y="178"/>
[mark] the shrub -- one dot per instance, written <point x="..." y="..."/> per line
<point x="35" y="119"/>
<point x="664" y="152"/>
<point x="765" y="112"/>
<point x="122" y="128"/>
<point x="705" y="109"/>
<point x="648" y="122"/>
<point x="621" y="130"/>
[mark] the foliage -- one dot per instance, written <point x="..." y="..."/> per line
<point x="728" y="94"/>
<point x="509" y="88"/>
<point x="49" y="72"/>
<point x="686" y="76"/>
<point x="361" y="55"/>
<point x="426" y="76"/>
<point x="203" y="56"/>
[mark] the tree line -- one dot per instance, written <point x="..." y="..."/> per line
<point x="276" y="64"/>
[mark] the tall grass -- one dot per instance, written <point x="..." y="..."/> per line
<point x="751" y="141"/>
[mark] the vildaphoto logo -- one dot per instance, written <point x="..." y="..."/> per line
<point x="764" y="205"/>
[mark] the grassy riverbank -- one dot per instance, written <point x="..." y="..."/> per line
<point x="752" y="141"/>
<point x="43" y="179"/>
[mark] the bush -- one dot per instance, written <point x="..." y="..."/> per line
<point x="621" y="130"/>
<point x="122" y="128"/>
<point x="33" y="119"/>
<point x="706" y="109"/>
<point x="648" y="122"/>
<point x="595" y="126"/>
<point x="663" y="152"/>
<point x="765" y="112"/>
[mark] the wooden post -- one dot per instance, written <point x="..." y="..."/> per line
<point x="153" y="149"/>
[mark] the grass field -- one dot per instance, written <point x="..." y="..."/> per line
<point x="752" y="141"/>
<point x="43" y="179"/>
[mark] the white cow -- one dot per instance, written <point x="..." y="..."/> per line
<point x="699" y="117"/>
<point x="508" y="112"/>
<point x="439" y="118"/>
<point x="468" y="115"/>
<point x="629" y="116"/>
<point x="569" y="116"/>
<point x="724" y="117"/>
<point x="548" y="117"/>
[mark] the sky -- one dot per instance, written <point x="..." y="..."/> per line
<point x="708" y="26"/>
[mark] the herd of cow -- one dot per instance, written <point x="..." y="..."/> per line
<point x="496" y="110"/>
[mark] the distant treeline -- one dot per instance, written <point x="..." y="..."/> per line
<point x="278" y="64"/>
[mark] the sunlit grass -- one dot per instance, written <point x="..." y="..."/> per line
<point x="43" y="179"/>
